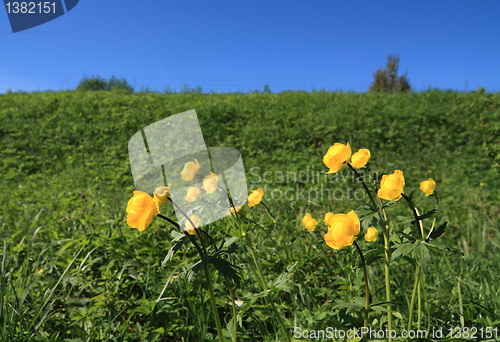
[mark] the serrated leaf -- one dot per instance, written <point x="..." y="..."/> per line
<point x="373" y="255"/>
<point x="174" y="249"/>
<point x="426" y="215"/>
<point x="226" y="268"/>
<point x="435" y="233"/>
<point x="404" y="249"/>
<point x="421" y="255"/>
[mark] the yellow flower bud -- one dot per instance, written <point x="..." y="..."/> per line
<point x="428" y="186"/>
<point x="343" y="230"/>
<point x="371" y="234"/>
<point x="309" y="222"/>
<point x="189" y="171"/>
<point x="328" y="218"/>
<point x="337" y="156"/>
<point x="140" y="209"/>
<point x="210" y="183"/>
<point x="391" y="186"/>
<point x="255" y="197"/>
<point x="189" y="227"/>
<point x="232" y="212"/>
<point x="193" y="193"/>
<point x="161" y="194"/>
<point x="360" y="158"/>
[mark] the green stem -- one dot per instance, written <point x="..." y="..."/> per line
<point x="367" y="291"/>
<point x="214" y="304"/>
<point x="235" y="317"/>
<point x="418" y="224"/>
<point x="419" y="311"/>
<point x="387" y="253"/>
<point x="268" y="211"/>
<point x="416" y="286"/>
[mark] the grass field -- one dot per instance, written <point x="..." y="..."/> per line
<point x="73" y="270"/>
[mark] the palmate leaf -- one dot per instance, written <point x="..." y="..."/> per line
<point x="426" y="215"/>
<point x="226" y="268"/>
<point x="404" y="249"/>
<point x="421" y="255"/>
<point x="180" y="241"/>
<point x="437" y="232"/>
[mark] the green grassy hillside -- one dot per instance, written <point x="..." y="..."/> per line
<point x="72" y="268"/>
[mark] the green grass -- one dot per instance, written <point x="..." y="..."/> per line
<point x="73" y="270"/>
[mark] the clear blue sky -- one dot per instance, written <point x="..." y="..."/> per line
<point x="241" y="45"/>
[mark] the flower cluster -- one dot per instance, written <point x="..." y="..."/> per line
<point x="338" y="155"/>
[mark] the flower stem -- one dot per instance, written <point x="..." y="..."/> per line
<point x="214" y="304"/>
<point x="235" y="315"/>
<point x="416" y="287"/>
<point x="387" y="253"/>
<point x="367" y="291"/>
<point x="418" y="224"/>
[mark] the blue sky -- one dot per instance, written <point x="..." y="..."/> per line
<point x="236" y="45"/>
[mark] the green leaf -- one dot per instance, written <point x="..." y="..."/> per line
<point x="226" y="268"/>
<point x="404" y="249"/>
<point x="437" y="232"/>
<point x="174" y="249"/>
<point x="426" y="215"/>
<point x="421" y="255"/>
<point x="373" y="255"/>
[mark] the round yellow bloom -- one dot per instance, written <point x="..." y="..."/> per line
<point x="193" y="193"/>
<point x="140" y="209"/>
<point x="255" y="197"/>
<point x="328" y="218"/>
<point x="428" y="186"/>
<point x="309" y="222"/>
<point x="337" y="156"/>
<point x="391" y="186"/>
<point x="371" y="234"/>
<point x="360" y="158"/>
<point x="161" y="194"/>
<point x="343" y="230"/>
<point x="189" y="227"/>
<point x="210" y="183"/>
<point x="190" y="170"/>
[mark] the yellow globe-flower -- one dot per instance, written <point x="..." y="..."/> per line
<point x="189" y="171"/>
<point x="232" y="212"/>
<point x="360" y="158"/>
<point x="337" y="156"/>
<point x="343" y="230"/>
<point x="189" y="227"/>
<point x="309" y="222"/>
<point x="210" y="183"/>
<point x="391" y="186"/>
<point x="161" y="194"/>
<point x="328" y="218"/>
<point x="192" y="193"/>
<point x="140" y="210"/>
<point x="371" y="234"/>
<point x="428" y="186"/>
<point x="255" y="197"/>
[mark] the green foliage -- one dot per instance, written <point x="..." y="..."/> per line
<point x="66" y="181"/>
<point x="387" y="80"/>
<point x="96" y="83"/>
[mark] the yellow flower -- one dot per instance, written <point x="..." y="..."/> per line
<point x="189" y="227"/>
<point x="328" y="218"/>
<point x="232" y="212"/>
<point x="140" y="209"/>
<point x="210" y="183"/>
<point x="371" y="234"/>
<point x="360" y="158"/>
<point x="193" y="193"/>
<point x="337" y="156"/>
<point x="309" y="222"/>
<point x="391" y="186"/>
<point x="343" y="230"/>
<point x="255" y="197"/>
<point x="40" y="271"/>
<point x="428" y="186"/>
<point x="161" y="194"/>
<point x="190" y="170"/>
